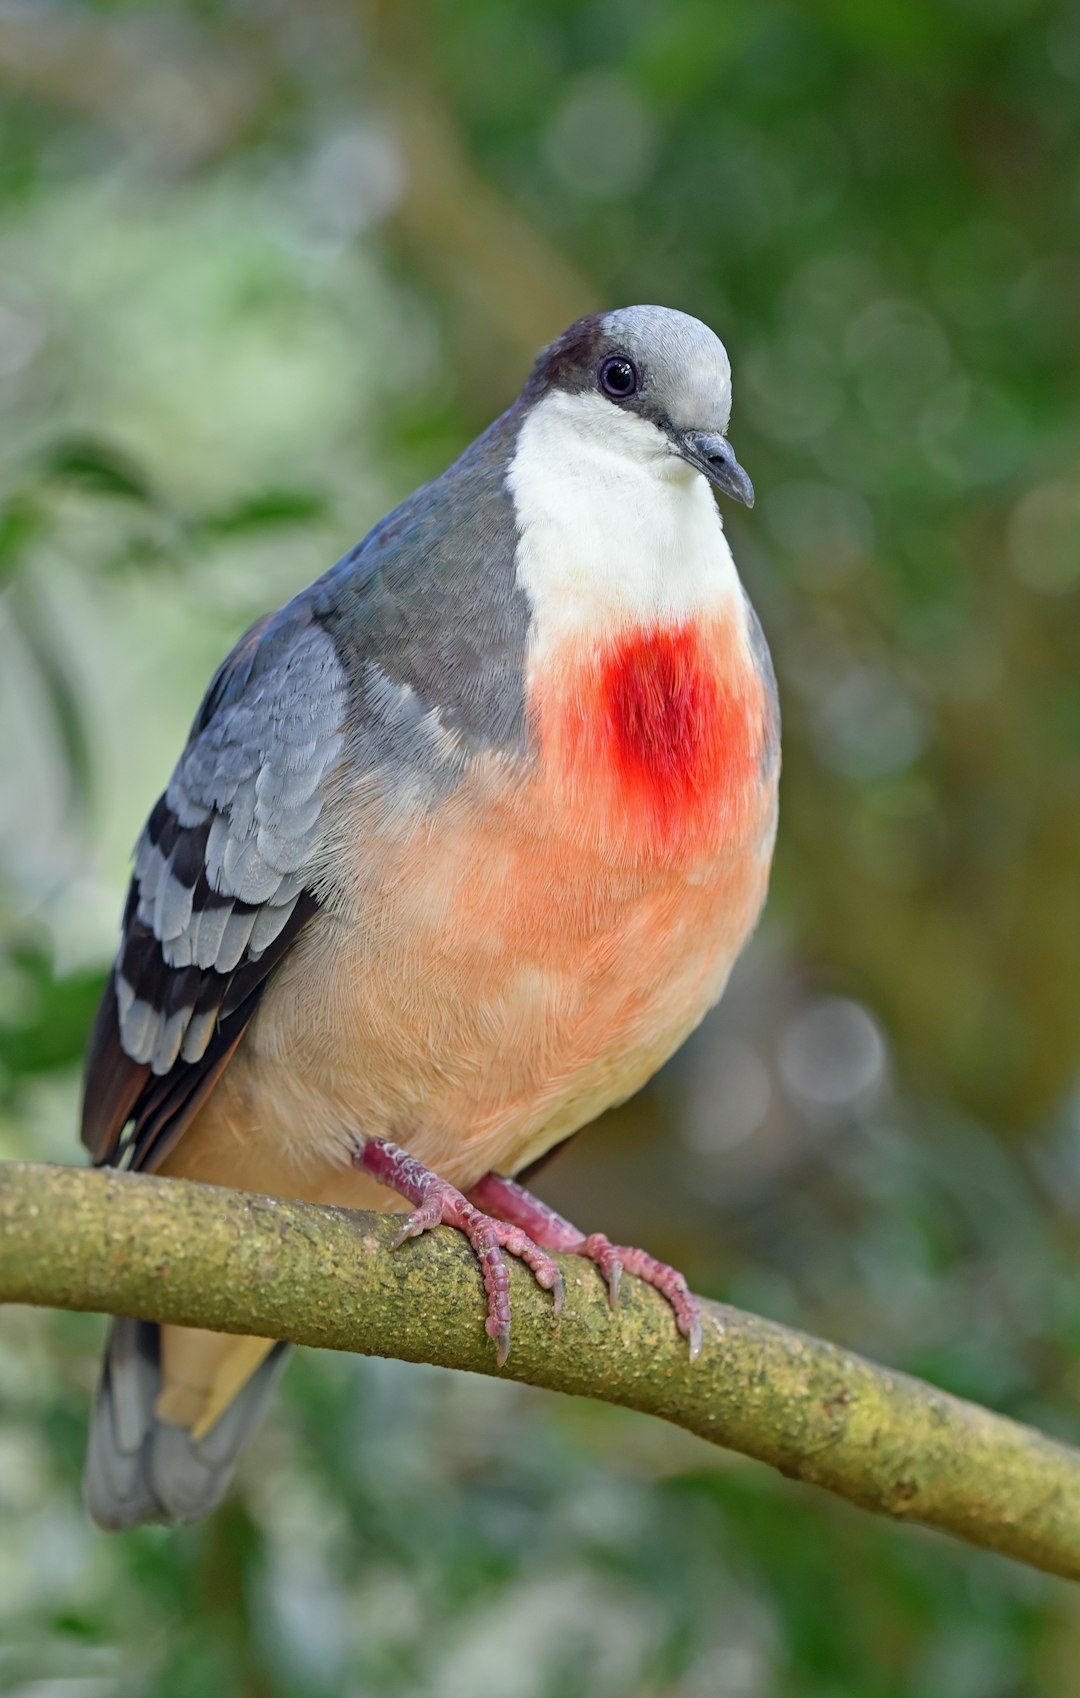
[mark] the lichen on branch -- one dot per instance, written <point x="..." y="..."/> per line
<point x="196" y="1255"/>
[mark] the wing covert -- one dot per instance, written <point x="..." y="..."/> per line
<point x="221" y="885"/>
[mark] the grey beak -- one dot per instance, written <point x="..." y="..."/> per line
<point x="714" y="456"/>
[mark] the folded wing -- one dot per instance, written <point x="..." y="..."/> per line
<point x="226" y="872"/>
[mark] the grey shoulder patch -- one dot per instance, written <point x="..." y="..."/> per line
<point x="428" y="617"/>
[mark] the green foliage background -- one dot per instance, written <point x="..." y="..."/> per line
<point x="263" y="267"/>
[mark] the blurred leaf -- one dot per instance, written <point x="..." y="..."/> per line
<point x="271" y="507"/>
<point x="98" y="466"/>
<point x="52" y="1018"/>
<point x="33" y="625"/>
<point x="20" y="524"/>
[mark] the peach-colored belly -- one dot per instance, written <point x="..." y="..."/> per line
<point x="501" y="973"/>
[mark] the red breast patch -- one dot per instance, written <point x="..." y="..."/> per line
<point x="656" y="738"/>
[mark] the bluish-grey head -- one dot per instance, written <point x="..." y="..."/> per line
<point x="660" y="366"/>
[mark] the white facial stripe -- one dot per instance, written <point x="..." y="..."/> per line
<point x="616" y="530"/>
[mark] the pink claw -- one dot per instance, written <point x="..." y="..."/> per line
<point x="439" y="1204"/>
<point x="612" y="1259"/>
<point x="546" y="1227"/>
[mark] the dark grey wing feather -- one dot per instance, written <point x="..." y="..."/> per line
<point x="222" y="884"/>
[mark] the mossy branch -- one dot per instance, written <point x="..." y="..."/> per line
<point x="195" y="1255"/>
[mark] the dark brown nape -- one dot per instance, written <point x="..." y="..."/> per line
<point x="569" y="361"/>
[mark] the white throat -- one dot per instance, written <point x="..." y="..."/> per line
<point x="615" y="529"/>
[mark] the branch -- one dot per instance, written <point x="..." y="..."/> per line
<point x="194" y="1255"/>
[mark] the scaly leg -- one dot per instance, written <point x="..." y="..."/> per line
<point x="439" y="1204"/>
<point x="504" y="1197"/>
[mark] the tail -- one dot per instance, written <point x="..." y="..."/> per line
<point x="141" y="1466"/>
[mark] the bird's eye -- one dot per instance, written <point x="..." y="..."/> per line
<point x="618" y="377"/>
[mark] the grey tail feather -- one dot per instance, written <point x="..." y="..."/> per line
<point x="139" y="1468"/>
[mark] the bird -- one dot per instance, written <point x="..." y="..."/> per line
<point x="464" y="842"/>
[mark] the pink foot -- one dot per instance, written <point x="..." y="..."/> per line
<point x="506" y="1198"/>
<point x="439" y="1204"/>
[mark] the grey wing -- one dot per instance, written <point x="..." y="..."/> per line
<point x="223" y="882"/>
